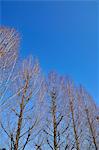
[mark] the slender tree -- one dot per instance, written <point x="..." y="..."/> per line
<point x="24" y="111"/>
<point x="54" y="130"/>
<point x="73" y="109"/>
<point x="73" y="115"/>
<point x="9" y="43"/>
<point x="91" y="114"/>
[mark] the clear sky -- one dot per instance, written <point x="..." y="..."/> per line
<point x="62" y="34"/>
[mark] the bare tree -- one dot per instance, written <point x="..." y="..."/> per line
<point x="38" y="113"/>
<point x="24" y="110"/>
<point x="73" y="114"/>
<point x="9" y="43"/>
<point x="91" y="113"/>
<point x="73" y="110"/>
<point x="55" y="127"/>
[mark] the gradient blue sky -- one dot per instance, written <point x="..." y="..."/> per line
<point x="62" y="34"/>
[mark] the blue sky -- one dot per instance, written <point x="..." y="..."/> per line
<point x="62" y="34"/>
